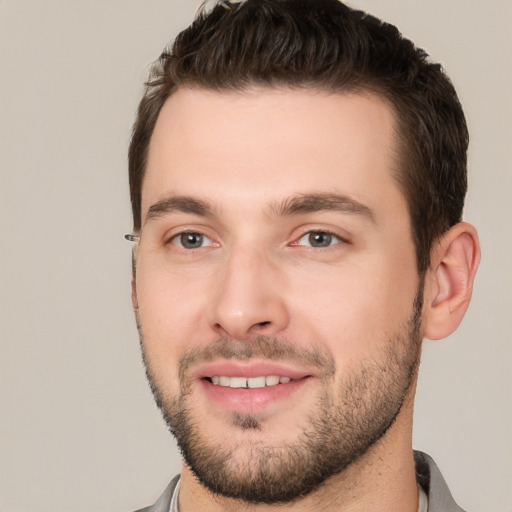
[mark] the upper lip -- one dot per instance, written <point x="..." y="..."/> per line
<point x="230" y="368"/>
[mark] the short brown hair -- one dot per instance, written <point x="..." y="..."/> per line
<point x="326" y="45"/>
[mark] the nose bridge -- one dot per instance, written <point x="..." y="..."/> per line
<point x="249" y="299"/>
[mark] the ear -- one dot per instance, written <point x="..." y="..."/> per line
<point x="449" y="283"/>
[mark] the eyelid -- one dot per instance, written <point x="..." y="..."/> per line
<point x="206" y="241"/>
<point x="334" y="233"/>
<point x="174" y="239"/>
<point x="175" y="232"/>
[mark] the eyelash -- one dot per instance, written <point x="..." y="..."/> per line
<point x="179" y="235"/>
<point x="325" y="232"/>
<point x="177" y="239"/>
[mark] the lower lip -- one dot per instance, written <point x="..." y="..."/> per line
<point x="251" y="400"/>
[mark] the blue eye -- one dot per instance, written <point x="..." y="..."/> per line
<point x="319" y="239"/>
<point x="191" y="240"/>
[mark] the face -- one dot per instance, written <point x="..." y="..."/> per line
<point x="276" y="288"/>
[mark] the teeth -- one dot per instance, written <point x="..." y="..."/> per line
<point x="256" y="382"/>
<point x="238" y="382"/>
<point x="224" y="381"/>
<point x="249" y="382"/>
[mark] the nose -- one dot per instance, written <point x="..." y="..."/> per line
<point x="250" y="297"/>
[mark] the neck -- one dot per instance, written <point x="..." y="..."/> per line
<point x="383" y="480"/>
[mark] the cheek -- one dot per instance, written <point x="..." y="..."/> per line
<point x="354" y="309"/>
<point x="170" y="313"/>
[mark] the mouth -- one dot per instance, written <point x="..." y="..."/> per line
<point x="251" y="387"/>
<point x="249" y="382"/>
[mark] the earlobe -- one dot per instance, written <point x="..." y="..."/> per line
<point x="454" y="262"/>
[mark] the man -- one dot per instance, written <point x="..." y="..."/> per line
<point x="297" y="177"/>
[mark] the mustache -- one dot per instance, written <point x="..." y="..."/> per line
<point x="264" y="347"/>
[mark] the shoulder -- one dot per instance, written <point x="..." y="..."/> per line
<point x="163" y="503"/>
<point x="431" y="480"/>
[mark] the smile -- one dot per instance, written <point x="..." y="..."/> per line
<point x="253" y="387"/>
<point x="249" y="382"/>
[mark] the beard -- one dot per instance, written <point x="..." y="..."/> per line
<point x="346" y="421"/>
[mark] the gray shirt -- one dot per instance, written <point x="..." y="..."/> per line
<point x="428" y="475"/>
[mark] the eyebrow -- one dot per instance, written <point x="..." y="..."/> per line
<point x="308" y="203"/>
<point x="181" y="204"/>
<point x="295" y="205"/>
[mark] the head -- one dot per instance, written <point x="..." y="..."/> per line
<point x="297" y="175"/>
<point x="324" y="45"/>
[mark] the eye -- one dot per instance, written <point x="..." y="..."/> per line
<point x="319" y="239"/>
<point x="191" y="240"/>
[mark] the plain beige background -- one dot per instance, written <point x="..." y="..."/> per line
<point x="78" y="429"/>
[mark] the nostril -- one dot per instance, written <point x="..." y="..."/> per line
<point x="263" y="324"/>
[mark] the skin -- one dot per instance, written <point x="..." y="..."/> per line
<point x="257" y="274"/>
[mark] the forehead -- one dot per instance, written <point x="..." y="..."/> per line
<point x="267" y="144"/>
